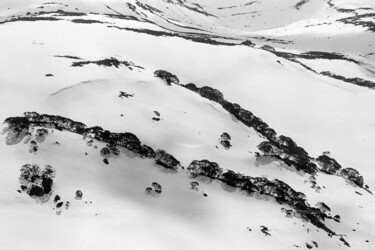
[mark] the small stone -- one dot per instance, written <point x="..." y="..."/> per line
<point x="56" y="199"/>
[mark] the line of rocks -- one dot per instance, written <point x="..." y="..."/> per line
<point x="280" y="147"/>
<point x="278" y="189"/>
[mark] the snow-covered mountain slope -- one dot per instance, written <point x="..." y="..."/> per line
<point x="94" y="63"/>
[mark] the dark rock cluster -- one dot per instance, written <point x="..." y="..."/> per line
<point x="108" y="62"/>
<point x="23" y="125"/>
<point x="78" y="195"/>
<point x="124" y="94"/>
<point x="166" y="160"/>
<point x="286" y="150"/>
<point x="268" y="48"/>
<point x="277" y="189"/>
<point x="280" y="147"/>
<point x="225" y="140"/>
<point x="248" y="43"/>
<point x="155" y="190"/>
<point x="328" y="165"/>
<point x="354" y="80"/>
<point x="281" y="191"/>
<point x="36" y="181"/>
<point x="167" y="76"/>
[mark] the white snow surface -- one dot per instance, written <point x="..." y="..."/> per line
<point x="319" y="113"/>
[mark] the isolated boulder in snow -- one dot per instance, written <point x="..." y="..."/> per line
<point x="148" y="190"/>
<point x="168" y="77"/>
<point x="105" y="152"/>
<point x="166" y="160"/>
<point x="79" y="195"/>
<point x="225" y="140"/>
<point x="194" y="185"/>
<point x="157" y="187"/>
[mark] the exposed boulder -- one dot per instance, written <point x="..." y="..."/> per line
<point x="328" y="165"/>
<point x="211" y="94"/>
<point x="78" y="195"/>
<point x="147" y="152"/>
<point x="157" y="187"/>
<point x="248" y="43"/>
<point x="166" y="160"/>
<point x="204" y="168"/>
<point x="192" y="87"/>
<point x="148" y="190"/>
<point x="194" y="185"/>
<point x="105" y="152"/>
<point x="36" y="181"/>
<point x="225" y="140"/>
<point x="167" y="76"/>
<point x="352" y="175"/>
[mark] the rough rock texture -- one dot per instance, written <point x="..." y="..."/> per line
<point x="36" y="181"/>
<point x="328" y="165"/>
<point x="281" y="191"/>
<point x="225" y="140"/>
<point x="166" y="160"/>
<point x="109" y="62"/>
<point x="78" y="195"/>
<point x="167" y="76"/>
<point x="280" y="147"/>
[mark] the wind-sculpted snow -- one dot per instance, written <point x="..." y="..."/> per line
<point x="280" y="147"/>
<point x="282" y="192"/>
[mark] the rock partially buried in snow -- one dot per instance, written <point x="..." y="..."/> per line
<point x="168" y="77"/>
<point x="35" y="181"/>
<point x="79" y="195"/>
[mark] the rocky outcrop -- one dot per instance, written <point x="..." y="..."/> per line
<point x="225" y="140"/>
<point x="281" y="191"/>
<point x="78" y="195"/>
<point x="355" y="80"/>
<point x="328" y="165"/>
<point x="280" y="147"/>
<point x="248" y="43"/>
<point x="268" y="48"/>
<point x="22" y="125"/>
<point x="36" y="181"/>
<point x="167" y="76"/>
<point x="286" y="150"/>
<point x="108" y="62"/>
<point x="166" y="160"/>
<point x="352" y="175"/>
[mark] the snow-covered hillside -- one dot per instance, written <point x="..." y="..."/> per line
<point x="187" y="124"/>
